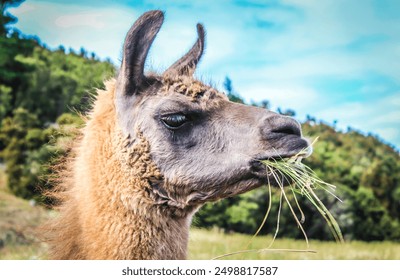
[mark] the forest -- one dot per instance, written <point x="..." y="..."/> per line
<point x="44" y="93"/>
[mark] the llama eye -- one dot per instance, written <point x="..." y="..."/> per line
<point x="174" y="121"/>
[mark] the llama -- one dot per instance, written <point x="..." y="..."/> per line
<point x="154" y="149"/>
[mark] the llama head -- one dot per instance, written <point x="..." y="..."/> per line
<point x="204" y="146"/>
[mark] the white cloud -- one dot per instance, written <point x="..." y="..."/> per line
<point x="375" y="89"/>
<point x="103" y="29"/>
<point x="23" y="9"/>
<point x="381" y="116"/>
<point x="174" y="40"/>
<point x="320" y="43"/>
<point x="388" y="133"/>
<point x="285" y="96"/>
<point x="81" y="19"/>
<point x="100" y="29"/>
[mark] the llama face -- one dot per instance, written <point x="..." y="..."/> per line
<point x="205" y="146"/>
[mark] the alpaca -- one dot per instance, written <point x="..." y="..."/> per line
<point x="154" y="149"/>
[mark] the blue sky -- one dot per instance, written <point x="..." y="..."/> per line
<point x="333" y="59"/>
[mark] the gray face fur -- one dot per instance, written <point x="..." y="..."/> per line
<point x="205" y="146"/>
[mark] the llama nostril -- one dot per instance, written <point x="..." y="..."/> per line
<point x="276" y="126"/>
<point x="280" y="125"/>
<point x="289" y="129"/>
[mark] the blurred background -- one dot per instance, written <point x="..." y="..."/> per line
<point x="332" y="65"/>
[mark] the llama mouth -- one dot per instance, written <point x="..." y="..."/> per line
<point x="260" y="171"/>
<point x="295" y="149"/>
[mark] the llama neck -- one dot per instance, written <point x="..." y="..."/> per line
<point x="139" y="231"/>
<point x="131" y="228"/>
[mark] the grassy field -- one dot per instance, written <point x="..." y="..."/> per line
<point x="19" y="220"/>
<point x="210" y="244"/>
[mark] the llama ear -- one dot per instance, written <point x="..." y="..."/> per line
<point x="135" y="50"/>
<point x="187" y="64"/>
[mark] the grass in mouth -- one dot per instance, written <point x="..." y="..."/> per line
<point x="303" y="181"/>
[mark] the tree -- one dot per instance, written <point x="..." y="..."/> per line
<point x="287" y="112"/>
<point x="53" y="82"/>
<point x="5" y="17"/>
<point x="232" y="95"/>
<point x="371" y="220"/>
<point x="19" y="136"/>
<point x="5" y="101"/>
